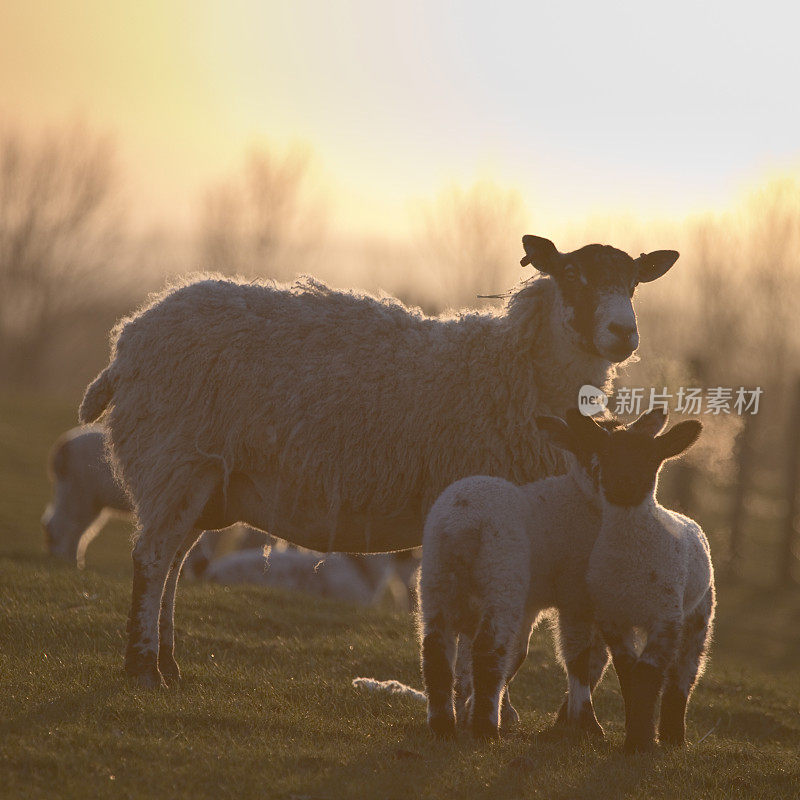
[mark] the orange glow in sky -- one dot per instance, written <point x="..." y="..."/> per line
<point x="581" y="106"/>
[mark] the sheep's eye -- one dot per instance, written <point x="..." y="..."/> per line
<point x="570" y="273"/>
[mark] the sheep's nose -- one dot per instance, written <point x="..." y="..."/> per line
<point x="624" y="332"/>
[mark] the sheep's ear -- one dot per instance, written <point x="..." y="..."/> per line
<point x="557" y="431"/>
<point x="678" y="439"/>
<point x="540" y="253"/>
<point x="651" y="422"/>
<point x="654" y="265"/>
<point x="586" y="430"/>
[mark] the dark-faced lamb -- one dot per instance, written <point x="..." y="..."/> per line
<point x="333" y="419"/>
<point x="650" y="578"/>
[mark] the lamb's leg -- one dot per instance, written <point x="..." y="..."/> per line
<point x="167" y="665"/>
<point x="508" y="714"/>
<point x="490" y="654"/>
<point x="684" y="672"/>
<point x="438" y="655"/>
<point x="585" y="657"/>
<point x="463" y="686"/>
<point x="645" y="682"/>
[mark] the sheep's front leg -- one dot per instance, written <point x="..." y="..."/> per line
<point x="683" y="673"/>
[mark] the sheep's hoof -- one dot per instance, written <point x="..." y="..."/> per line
<point x="169" y="670"/>
<point x="144" y="675"/>
<point x="443" y="726"/>
<point x="672" y="740"/>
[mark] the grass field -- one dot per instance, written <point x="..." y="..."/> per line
<point x="266" y="708"/>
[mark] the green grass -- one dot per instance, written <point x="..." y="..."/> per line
<point x="266" y="708"/>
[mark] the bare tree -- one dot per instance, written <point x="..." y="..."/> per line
<point x="470" y="239"/>
<point x="60" y="225"/>
<point x="266" y="220"/>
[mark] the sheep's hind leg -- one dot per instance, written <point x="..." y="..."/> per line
<point x="463" y="681"/>
<point x="438" y="655"/>
<point x="167" y="665"/>
<point x="153" y="555"/>
<point x="683" y="673"/>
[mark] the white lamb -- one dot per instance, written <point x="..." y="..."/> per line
<point x="333" y="420"/>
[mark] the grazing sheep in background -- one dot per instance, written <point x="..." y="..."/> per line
<point x="650" y="574"/>
<point x="332" y="419"/>
<point x="86" y="495"/>
<point x="354" y="579"/>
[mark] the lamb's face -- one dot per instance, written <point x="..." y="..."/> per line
<point x="627" y="459"/>
<point x="596" y="285"/>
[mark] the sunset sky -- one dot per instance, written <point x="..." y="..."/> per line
<point x="581" y="106"/>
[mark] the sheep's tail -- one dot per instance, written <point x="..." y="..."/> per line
<point x="389" y="687"/>
<point x="98" y="396"/>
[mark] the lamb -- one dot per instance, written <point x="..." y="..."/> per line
<point x="86" y="495"/>
<point x="332" y="419"/>
<point x="650" y="575"/>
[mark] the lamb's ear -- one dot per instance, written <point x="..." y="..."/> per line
<point x="589" y="434"/>
<point x="557" y="431"/>
<point x="651" y="422"/>
<point x="540" y="253"/>
<point x="678" y="439"/>
<point x="654" y="265"/>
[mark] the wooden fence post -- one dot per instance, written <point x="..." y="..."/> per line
<point x="745" y="458"/>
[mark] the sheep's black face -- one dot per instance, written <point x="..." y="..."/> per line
<point x="596" y="285"/>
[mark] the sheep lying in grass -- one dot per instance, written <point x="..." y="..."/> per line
<point x="332" y="419"/>
<point x="86" y="495"/>
<point x="362" y="580"/>
<point x="649" y="575"/>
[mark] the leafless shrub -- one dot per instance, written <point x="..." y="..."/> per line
<point x="60" y="230"/>
<point x="267" y="220"/>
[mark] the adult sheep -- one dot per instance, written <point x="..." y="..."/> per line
<point x="333" y="419"/>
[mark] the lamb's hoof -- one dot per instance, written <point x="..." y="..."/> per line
<point x="639" y="746"/>
<point x="442" y="726"/>
<point x="485" y="730"/>
<point x="509" y="717"/>
<point x="672" y="740"/>
<point x="170" y="671"/>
